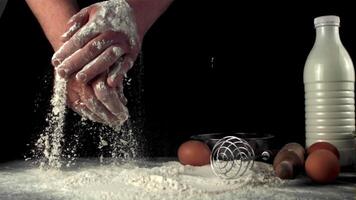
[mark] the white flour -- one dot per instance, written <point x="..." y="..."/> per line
<point x="114" y="15"/>
<point x="50" y="141"/>
<point x="102" y="43"/>
<point x="120" y="140"/>
<point x="148" y="180"/>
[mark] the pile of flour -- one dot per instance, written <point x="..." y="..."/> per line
<point x="138" y="180"/>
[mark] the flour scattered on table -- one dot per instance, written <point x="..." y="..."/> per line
<point x="139" y="180"/>
<point x="148" y="180"/>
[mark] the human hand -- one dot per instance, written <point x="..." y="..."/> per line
<point x="97" y="101"/>
<point x="101" y="38"/>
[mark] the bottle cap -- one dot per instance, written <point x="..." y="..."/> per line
<point x="329" y="20"/>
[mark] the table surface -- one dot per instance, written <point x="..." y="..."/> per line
<point x="343" y="188"/>
<point x="19" y="176"/>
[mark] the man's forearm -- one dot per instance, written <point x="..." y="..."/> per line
<point x="53" y="16"/>
<point x="149" y="10"/>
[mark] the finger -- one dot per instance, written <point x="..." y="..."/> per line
<point x="75" y="23"/>
<point x="119" y="71"/>
<point x="100" y="64"/>
<point x="71" y="31"/>
<point x="95" y="106"/>
<point x="73" y="101"/>
<point x="90" y="51"/>
<point x="83" y="111"/>
<point x="77" y="41"/>
<point x="109" y="97"/>
<point x="120" y="92"/>
<point x="120" y="88"/>
<point x="82" y="57"/>
<point x="82" y="15"/>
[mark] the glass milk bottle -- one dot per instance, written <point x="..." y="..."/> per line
<point x="329" y="81"/>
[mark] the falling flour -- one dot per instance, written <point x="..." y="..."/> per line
<point x="116" y="142"/>
<point x="50" y="141"/>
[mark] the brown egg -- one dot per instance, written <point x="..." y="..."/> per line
<point x="323" y="145"/>
<point x="322" y="166"/>
<point x="194" y="153"/>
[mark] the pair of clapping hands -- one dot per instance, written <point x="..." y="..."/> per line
<point x="100" y="45"/>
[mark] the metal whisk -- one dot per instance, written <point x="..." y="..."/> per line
<point x="231" y="157"/>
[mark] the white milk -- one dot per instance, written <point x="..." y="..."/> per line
<point x="329" y="82"/>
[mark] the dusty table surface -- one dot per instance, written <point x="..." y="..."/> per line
<point x="343" y="188"/>
<point x="23" y="180"/>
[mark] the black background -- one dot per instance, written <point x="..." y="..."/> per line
<point x="254" y="85"/>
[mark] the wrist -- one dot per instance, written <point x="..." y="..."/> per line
<point x="53" y="16"/>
